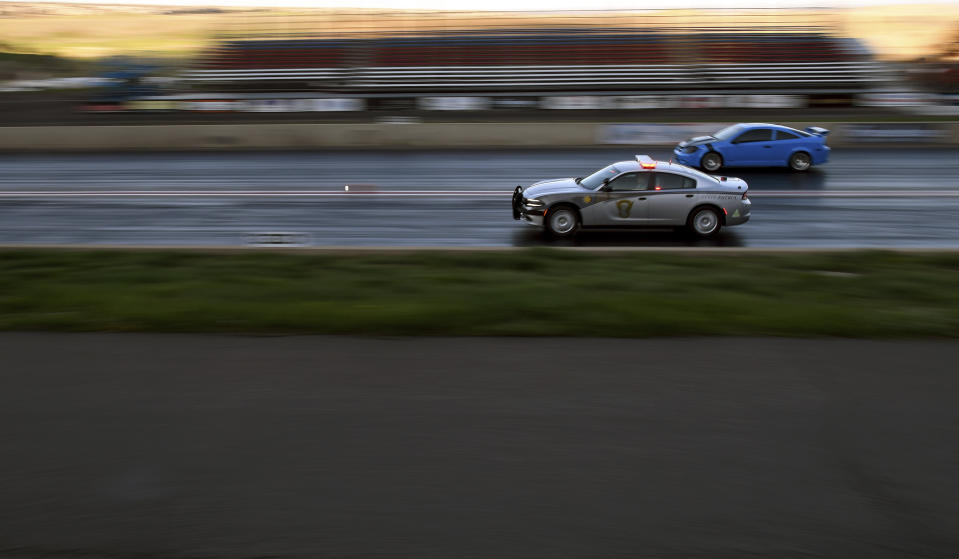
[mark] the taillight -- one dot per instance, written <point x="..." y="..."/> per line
<point x="745" y="196"/>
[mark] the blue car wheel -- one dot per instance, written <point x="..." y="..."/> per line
<point x="711" y="162"/>
<point x="800" y="161"/>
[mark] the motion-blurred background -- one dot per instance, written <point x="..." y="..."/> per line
<point x="456" y="100"/>
<point x="234" y="447"/>
<point x="69" y="63"/>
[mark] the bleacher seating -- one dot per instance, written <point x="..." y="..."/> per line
<point x="559" y="59"/>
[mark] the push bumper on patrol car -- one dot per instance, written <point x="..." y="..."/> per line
<point x="533" y="216"/>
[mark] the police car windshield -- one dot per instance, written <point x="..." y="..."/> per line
<point x="728" y="132"/>
<point x="595" y="180"/>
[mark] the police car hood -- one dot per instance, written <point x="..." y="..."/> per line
<point x="552" y="186"/>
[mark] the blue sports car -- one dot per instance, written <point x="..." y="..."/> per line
<point x="756" y="145"/>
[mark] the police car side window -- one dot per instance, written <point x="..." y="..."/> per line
<point x="670" y="181"/>
<point x="629" y="181"/>
<point x="757" y="135"/>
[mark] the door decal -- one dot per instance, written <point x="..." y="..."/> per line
<point x="624" y="207"/>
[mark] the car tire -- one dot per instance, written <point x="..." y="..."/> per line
<point x="562" y="221"/>
<point x="704" y="222"/>
<point x="711" y="162"/>
<point x="800" y="161"/>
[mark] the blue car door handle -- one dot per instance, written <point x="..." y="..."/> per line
<point x="767" y="146"/>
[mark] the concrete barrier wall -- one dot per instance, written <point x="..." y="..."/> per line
<point x="426" y="135"/>
<point x="296" y="136"/>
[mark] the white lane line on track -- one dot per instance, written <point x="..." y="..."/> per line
<point x="431" y="193"/>
<point x="854" y="194"/>
<point x="262" y="193"/>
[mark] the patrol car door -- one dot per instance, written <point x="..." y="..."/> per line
<point x="621" y="202"/>
<point x="670" y="198"/>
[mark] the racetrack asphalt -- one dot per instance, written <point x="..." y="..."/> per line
<point x="184" y="446"/>
<point x="863" y="198"/>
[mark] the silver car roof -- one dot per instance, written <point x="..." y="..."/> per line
<point x="633" y="166"/>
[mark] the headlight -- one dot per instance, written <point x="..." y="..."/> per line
<point x="533" y="202"/>
<point x="690" y="149"/>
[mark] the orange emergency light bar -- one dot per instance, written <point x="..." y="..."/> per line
<point x="646" y="162"/>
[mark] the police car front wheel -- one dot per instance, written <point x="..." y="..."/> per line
<point x="562" y="221"/>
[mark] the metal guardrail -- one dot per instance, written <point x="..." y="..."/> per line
<point x="640" y="77"/>
<point x="267" y="75"/>
<point x="776" y="74"/>
<point x="522" y="76"/>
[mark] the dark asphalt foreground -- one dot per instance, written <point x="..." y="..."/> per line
<point x="178" y="446"/>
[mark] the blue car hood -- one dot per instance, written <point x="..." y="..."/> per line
<point x="697" y="141"/>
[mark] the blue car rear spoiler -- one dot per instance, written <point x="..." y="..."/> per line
<point x="817" y="130"/>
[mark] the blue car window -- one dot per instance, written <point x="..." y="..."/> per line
<point x="755" y="135"/>
<point x="783" y="135"/>
<point x="728" y="132"/>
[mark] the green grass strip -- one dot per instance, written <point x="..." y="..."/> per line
<point x="534" y="292"/>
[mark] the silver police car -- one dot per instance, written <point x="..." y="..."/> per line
<point x="638" y="193"/>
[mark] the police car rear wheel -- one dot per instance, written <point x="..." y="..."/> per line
<point x="562" y="222"/>
<point x="712" y="161"/>
<point x="800" y="161"/>
<point x="704" y="222"/>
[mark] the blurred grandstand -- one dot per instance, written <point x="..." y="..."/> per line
<point x="608" y="54"/>
<point x="569" y="60"/>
